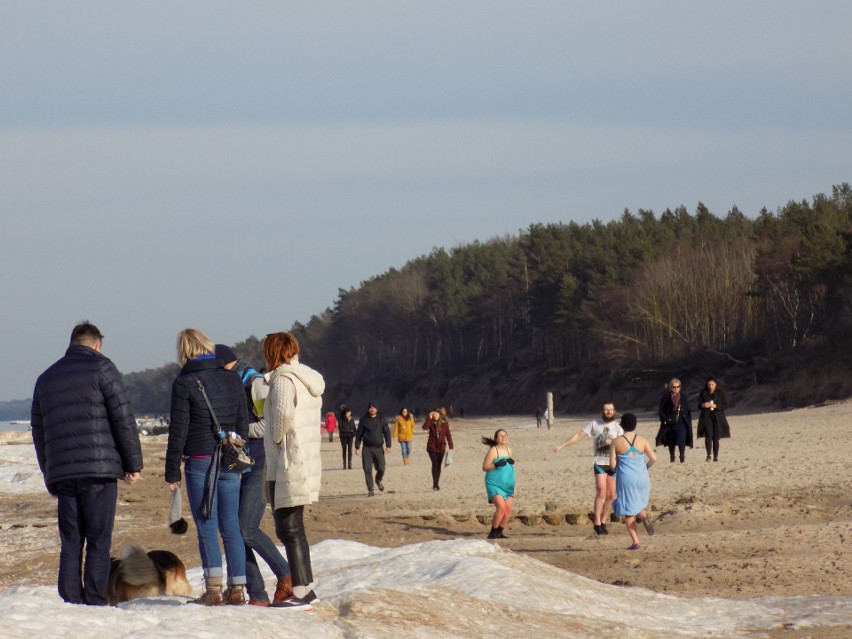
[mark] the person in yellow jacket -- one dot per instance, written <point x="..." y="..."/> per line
<point x="403" y="432"/>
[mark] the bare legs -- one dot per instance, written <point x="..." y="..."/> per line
<point x="604" y="494"/>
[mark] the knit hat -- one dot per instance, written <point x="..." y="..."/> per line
<point x="225" y="354"/>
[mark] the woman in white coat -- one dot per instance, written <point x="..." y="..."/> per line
<point x="293" y="465"/>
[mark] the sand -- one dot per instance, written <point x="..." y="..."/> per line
<point x="772" y="517"/>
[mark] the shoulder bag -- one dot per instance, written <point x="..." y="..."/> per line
<point x="232" y="452"/>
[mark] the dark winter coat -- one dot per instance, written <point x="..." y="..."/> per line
<point x="683" y="420"/>
<point x="82" y="424"/>
<point x="191" y="426"/>
<point x="346" y="429"/>
<point x="373" y="432"/>
<point x="707" y="416"/>
<point x="439" y="436"/>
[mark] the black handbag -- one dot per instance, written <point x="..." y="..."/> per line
<point x="232" y="452"/>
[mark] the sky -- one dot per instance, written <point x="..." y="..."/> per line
<point x="441" y="588"/>
<point x="231" y="166"/>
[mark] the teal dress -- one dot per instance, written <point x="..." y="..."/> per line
<point x="501" y="480"/>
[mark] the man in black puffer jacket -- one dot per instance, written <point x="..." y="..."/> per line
<point x="85" y="438"/>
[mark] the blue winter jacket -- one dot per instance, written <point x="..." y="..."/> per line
<point x="82" y="425"/>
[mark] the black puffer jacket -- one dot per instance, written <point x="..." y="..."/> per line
<point x="191" y="426"/>
<point x="81" y="419"/>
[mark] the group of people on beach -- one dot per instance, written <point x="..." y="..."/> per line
<point x="622" y="457"/>
<point x="86" y="438"/>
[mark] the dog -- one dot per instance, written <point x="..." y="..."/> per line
<point x="145" y="574"/>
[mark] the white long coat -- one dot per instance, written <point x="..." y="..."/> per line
<point x="292" y="439"/>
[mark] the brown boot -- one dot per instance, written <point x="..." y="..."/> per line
<point x="283" y="589"/>
<point x="212" y="593"/>
<point x="234" y="595"/>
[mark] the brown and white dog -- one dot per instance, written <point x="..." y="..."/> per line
<point x="146" y="574"/>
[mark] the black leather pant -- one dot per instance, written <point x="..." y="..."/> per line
<point x="290" y="528"/>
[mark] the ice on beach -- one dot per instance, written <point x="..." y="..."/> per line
<point x="19" y="471"/>
<point x="456" y="588"/>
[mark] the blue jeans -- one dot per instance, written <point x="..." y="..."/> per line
<point x="252" y="509"/>
<point x="224" y="519"/>
<point x="86" y="514"/>
<point x="405" y="447"/>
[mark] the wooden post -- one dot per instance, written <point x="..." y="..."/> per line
<point x="549" y="410"/>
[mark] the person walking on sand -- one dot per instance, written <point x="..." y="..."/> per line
<point x="712" y="423"/>
<point x="346" y="434"/>
<point x="330" y="425"/>
<point x="602" y="431"/>
<point x="631" y="455"/>
<point x="675" y="421"/>
<point x="403" y="432"/>
<point x="373" y="432"/>
<point x="85" y="439"/>
<point x="499" y="467"/>
<point x="440" y="442"/>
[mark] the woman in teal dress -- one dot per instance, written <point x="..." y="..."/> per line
<point x="499" y="467"/>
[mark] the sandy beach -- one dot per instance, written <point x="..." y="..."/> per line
<point x="772" y="517"/>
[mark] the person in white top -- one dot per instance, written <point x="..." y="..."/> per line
<point x="602" y="431"/>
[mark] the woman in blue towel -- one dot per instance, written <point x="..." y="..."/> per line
<point x="631" y="456"/>
<point x="499" y="467"/>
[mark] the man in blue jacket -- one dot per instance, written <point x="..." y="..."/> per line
<point x="85" y="438"/>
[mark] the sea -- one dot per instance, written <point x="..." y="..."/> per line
<point x="15" y="425"/>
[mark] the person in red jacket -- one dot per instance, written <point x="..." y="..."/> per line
<point x="330" y="425"/>
<point x="439" y="443"/>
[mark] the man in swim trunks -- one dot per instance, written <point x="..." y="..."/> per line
<point x="602" y="431"/>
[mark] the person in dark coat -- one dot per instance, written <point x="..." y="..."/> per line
<point x="85" y="438"/>
<point x="373" y="431"/>
<point x="212" y="490"/>
<point x="712" y="423"/>
<point x="346" y="433"/>
<point x="675" y="421"/>
<point x="439" y="442"/>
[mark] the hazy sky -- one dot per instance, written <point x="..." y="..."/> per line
<point x="230" y="166"/>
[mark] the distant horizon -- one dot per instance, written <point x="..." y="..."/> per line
<point x="231" y="169"/>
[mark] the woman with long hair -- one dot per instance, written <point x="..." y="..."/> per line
<point x="499" y="467"/>
<point x="213" y="492"/>
<point x="712" y="423"/>
<point x="293" y="465"/>
<point x="439" y="443"/>
<point x="403" y="432"/>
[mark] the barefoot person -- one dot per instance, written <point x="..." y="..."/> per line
<point x="631" y="456"/>
<point x="499" y="467"/>
<point x="602" y="431"/>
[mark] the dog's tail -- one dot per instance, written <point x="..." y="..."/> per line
<point x="136" y="567"/>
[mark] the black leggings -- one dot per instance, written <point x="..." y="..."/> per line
<point x="709" y="443"/>
<point x="346" y="447"/>
<point x="290" y="528"/>
<point x="437" y="465"/>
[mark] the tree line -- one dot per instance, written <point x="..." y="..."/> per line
<point x="641" y="292"/>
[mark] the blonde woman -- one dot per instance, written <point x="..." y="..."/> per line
<point x="214" y="494"/>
